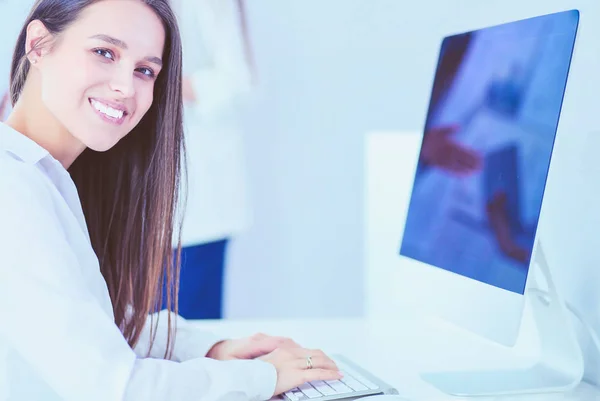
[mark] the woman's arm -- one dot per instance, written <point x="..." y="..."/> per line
<point x="190" y="343"/>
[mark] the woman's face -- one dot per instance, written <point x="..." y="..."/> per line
<point x="98" y="77"/>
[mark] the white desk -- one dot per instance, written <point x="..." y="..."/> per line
<point x="395" y="354"/>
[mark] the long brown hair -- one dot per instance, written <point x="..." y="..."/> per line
<point x="129" y="193"/>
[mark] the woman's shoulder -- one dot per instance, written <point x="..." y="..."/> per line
<point x="30" y="182"/>
<point x="18" y="175"/>
<point x="19" y="167"/>
<point x="27" y="208"/>
<point x="23" y="189"/>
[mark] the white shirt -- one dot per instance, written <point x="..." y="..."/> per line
<point x="218" y="199"/>
<point x="58" y="339"/>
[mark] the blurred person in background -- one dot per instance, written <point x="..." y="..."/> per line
<point x="218" y="79"/>
<point x="12" y="14"/>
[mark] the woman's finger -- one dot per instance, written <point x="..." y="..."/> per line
<point x="311" y="375"/>
<point x="317" y="362"/>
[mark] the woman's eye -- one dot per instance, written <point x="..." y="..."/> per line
<point x="146" y="72"/>
<point x="104" y="53"/>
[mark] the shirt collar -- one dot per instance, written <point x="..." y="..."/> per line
<point x="21" y="146"/>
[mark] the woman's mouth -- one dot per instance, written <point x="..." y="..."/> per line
<point x="111" y="113"/>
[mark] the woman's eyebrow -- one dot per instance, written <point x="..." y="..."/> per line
<point x="111" y="40"/>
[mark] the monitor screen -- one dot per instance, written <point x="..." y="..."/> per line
<point x="486" y="150"/>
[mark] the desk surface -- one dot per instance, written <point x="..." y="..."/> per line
<point x="396" y="353"/>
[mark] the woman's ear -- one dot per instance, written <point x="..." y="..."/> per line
<point x="36" y="42"/>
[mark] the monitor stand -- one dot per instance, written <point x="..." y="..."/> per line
<point x="559" y="368"/>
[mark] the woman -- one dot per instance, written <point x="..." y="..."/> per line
<point x="89" y="162"/>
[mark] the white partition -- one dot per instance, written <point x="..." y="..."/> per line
<point x="390" y="159"/>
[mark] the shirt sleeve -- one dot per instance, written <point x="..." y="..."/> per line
<point x="53" y="322"/>
<point x="190" y="342"/>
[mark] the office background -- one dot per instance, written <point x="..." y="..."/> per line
<point x="330" y="73"/>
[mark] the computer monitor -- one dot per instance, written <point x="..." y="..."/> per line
<point x="484" y="159"/>
<point x="482" y="168"/>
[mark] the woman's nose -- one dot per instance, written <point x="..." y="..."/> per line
<point x="123" y="83"/>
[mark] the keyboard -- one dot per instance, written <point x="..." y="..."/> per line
<point x="352" y="382"/>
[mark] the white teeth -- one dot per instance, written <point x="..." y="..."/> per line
<point x="105" y="109"/>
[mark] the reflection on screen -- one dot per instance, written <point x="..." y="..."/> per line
<point x="490" y="128"/>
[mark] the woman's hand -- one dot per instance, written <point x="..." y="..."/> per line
<point x="249" y="347"/>
<point x="296" y="366"/>
<point x="3" y="105"/>
<point x="188" y="93"/>
<point x="441" y="150"/>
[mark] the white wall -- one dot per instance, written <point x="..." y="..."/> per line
<point x="331" y="71"/>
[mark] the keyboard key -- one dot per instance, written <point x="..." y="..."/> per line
<point x="291" y="396"/>
<point x="360" y="378"/>
<point x="354" y="384"/>
<point x="310" y="391"/>
<point x="323" y="387"/>
<point x="339" y="387"/>
<point x="300" y="396"/>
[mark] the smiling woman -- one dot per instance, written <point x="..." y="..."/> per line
<point x="72" y="99"/>
<point x="90" y="161"/>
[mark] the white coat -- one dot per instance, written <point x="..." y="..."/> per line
<point x="218" y="203"/>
